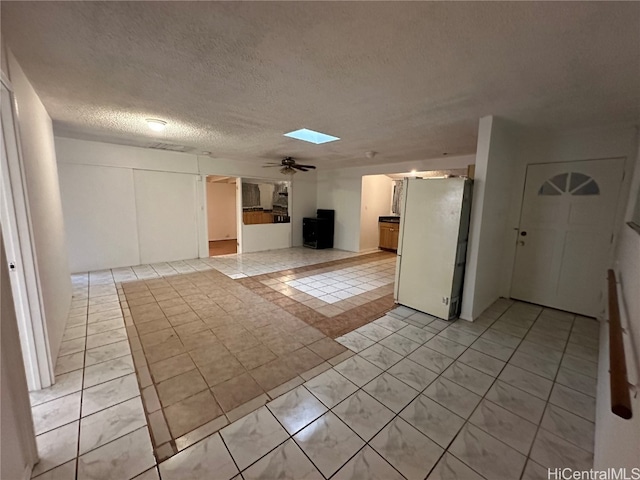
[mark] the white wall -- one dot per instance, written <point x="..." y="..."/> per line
<point x="341" y="190"/>
<point x="550" y="147"/>
<point x="266" y="195"/>
<point x="375" y="202"/>
<point x="157" y="239"/>
<point x="221" y="211"/>
<point x="342" y="194"/>
<point x="166" y="209"/>
<point x="265" y="236"/>
<point x="504" y="152"/>
<point x="43" y="196"/>
<point x="100" y="216"/>
<point x="302" y="202"/>
<point x="625" y="450"/>
<point x="17" y="440"/>
<point x="492" y="188"/>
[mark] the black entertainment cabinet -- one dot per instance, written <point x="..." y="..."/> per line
<point x="318" y="232"/>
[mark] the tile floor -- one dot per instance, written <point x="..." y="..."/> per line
<point x="259" y="263"/>
<point x="347" y="282"/>
<point x="502" y="397"/>
<point x="210" y="346"/>
<point x="347" y="306"/>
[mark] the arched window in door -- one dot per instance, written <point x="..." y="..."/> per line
<point x="573" y="183"/>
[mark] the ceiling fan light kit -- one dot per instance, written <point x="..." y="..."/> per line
<point x="289" y="166"/>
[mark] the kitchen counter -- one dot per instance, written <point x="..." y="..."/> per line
<point x="389" y="219"/>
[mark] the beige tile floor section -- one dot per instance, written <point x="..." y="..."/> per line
<point x="91" y="421"/>
<point x="213" y="348"/>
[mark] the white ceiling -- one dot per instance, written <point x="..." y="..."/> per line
<point x="407" y="80"/>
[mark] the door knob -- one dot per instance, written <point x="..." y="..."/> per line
<point x="521" y="243"/>
<point x="523" y="234"/>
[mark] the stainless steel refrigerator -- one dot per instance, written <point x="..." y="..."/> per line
<point x="432" y="246"/>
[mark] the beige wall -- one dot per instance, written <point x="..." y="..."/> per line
<point x="221" y="211"/>
<point x="375" y="202"/>
<point x="43" y="196"/>
<point x="17" y="440"/>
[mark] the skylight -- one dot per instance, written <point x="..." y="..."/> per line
<point x="311" y="136"/>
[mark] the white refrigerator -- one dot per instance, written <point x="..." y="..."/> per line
<point x="432" y="246"/>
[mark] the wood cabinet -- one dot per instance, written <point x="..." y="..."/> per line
<point x="388" y="235"/>
<point x="256" y="217"/>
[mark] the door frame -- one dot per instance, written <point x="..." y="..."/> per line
<point x="18" y="237"/>
<point x="617" y="214"/>
<point x="204" y="234"/>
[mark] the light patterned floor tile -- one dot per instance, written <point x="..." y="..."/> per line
<point x="412" y="374"/>
<point x="367" y="464"/>
<point x="201" y="459"/>
<point x="251" y="437"/>
<point x="450" y="468"/>
<point x="516" y="401"/>
<point x="432" y="419"/>
<point x="125" y="457"/>
<point x="454" y="397"/>
<point x="296" y="409"/>
<point x="358" y="370"/>
<point x="511" y="429"/>
<point x="408" y="450"/>
<point x="486" y="455"/>
<point x="330" y="387"/>
<point x="286" y="461"/>
<point x="391" y="392"/>
<point x="56" y="447"/>
<point x="363" y="414"/>
<point x="329" y="443"/>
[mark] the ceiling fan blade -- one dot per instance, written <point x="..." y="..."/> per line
<point x="271" y="166"/>
<point x="302" y="169"/>
<point x="305" y="166"/>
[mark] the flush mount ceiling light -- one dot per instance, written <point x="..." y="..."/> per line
<point x="156" y="125"/>
<point x="311" y="136"/>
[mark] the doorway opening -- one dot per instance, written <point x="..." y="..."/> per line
<point x="380" y="205"/>
<point x="222" y="215"/>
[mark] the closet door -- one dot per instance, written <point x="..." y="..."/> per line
<point x="166" y="206"/>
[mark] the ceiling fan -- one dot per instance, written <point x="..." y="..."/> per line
<point x="289" y="166"/>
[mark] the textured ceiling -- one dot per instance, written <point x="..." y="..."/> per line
<point x="407" y="80"/>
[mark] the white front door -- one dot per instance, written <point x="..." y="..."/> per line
<point x="566" y="233"/>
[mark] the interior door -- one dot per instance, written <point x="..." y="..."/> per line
<point x="17" y="237"/>
<point x="566" y="233"/>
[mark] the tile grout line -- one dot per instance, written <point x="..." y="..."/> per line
<point x="456" y="359"/>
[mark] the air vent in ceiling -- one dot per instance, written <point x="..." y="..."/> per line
<point x="169" y="147"/>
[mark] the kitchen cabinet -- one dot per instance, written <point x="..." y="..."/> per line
<point x="256" y="217"/>
<point x="388" y="235"/>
